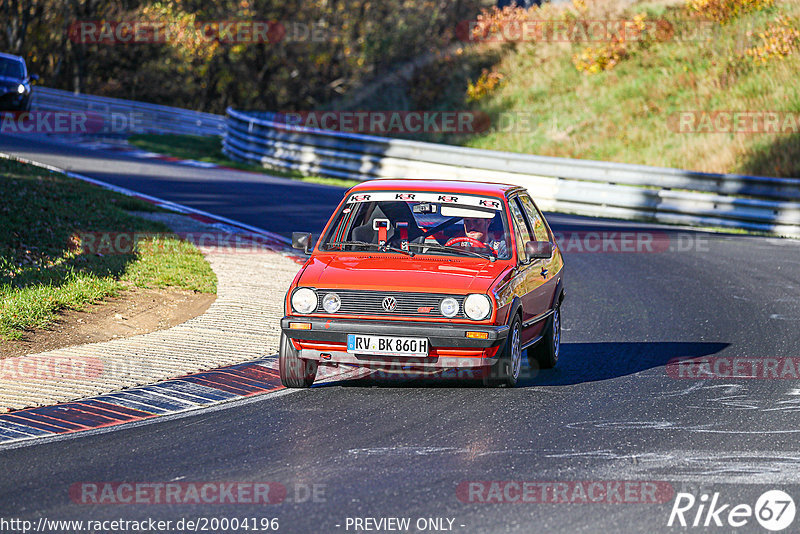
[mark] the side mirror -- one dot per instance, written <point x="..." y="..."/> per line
<point x="538" y="250"/>
<point x="34" y="77"/>
<point x="302" y="241"/>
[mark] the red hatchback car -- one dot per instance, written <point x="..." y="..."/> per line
<point x="425" y="276"/>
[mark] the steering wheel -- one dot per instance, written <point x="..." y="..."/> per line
<point x="472" y="241"/>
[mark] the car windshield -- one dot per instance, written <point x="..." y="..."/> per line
<point x="421" y="223"/>
<point x="11" y="68"/>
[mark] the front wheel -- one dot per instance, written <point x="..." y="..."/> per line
<point x="505" y="371"/>
<point x="545" y="354"/>
<point x="295" y="372"/>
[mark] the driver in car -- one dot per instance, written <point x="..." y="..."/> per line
<point x="478" y="229"/>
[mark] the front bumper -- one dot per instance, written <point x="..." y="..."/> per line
<point x="13" y="101"/>
<point x="326" y="341"/>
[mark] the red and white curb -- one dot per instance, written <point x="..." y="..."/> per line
<point x="121" y="146"/>
<point x="143" y="154"/>
<point x="183" y="394"/>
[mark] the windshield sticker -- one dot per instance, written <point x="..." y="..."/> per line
<point x="464" y="200"/>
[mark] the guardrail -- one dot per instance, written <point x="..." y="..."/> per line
<point x="140" y="117"/>
<point x="618" y="190"/>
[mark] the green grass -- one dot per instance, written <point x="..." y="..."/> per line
<point x="43" y="272"/>
<point x="209" y="150"/>
<point x="624" y="114"/>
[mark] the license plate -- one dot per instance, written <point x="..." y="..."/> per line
<point x="396" y="346"/>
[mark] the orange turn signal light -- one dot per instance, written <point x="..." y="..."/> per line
<point x="300" y="326"/>
<point x="478" y="335"/>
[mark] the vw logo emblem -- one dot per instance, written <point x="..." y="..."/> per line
<point x="389" y="304"/>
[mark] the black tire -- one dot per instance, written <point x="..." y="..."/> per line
<point x="506" y="370"/>
<point x="544" y="355"/>
<point x="295" y="371"/>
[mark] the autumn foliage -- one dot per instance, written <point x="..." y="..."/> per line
<point x="724" y="10"/>
<point x="484" y="85"/>
<point x="326" y="47"/>
<point x="780" y="39"/>
<point x="592" y="60"/>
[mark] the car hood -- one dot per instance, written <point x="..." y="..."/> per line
<point x="5" y="80"/>
<point x="428" y="274"/>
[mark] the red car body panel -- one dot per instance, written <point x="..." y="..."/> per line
<point x="421" y="273"/>
<point x="514" y="285"/>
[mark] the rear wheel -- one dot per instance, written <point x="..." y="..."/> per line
<point x="545" y="354"/>
<point x="295" y="371"/>
<point x="505" y="371"/>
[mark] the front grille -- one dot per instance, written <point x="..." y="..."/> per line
<point x="408" y="304"/>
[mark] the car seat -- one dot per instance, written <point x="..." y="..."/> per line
<point x="395" y="212"/>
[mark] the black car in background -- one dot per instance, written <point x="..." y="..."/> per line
<point x="527" y="4"/>
<point x="15" y="84"/>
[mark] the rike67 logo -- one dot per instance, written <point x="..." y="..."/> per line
<point x="774" y="510"/>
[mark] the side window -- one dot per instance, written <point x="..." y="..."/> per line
<point x="520" y="228"/>
<point x="539" y="229"/>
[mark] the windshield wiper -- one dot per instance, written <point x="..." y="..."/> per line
<point x="364" y="243"/>
<point x="455" y="249"/>
<point x="334" y="243"/>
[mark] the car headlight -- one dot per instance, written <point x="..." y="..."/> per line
<point x="304" y="300"/>
<point x="477" y="306"/>
<point x="20" y="88"/>
<point x="331" y="302"/>
<point x="449" y="307"/>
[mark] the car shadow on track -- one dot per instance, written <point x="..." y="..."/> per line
<point x="578" y="363"/>
<point x="590" y="362"/>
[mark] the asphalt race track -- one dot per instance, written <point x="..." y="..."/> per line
<point x="609" y="412"/>
<point x="250" y="198"/>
